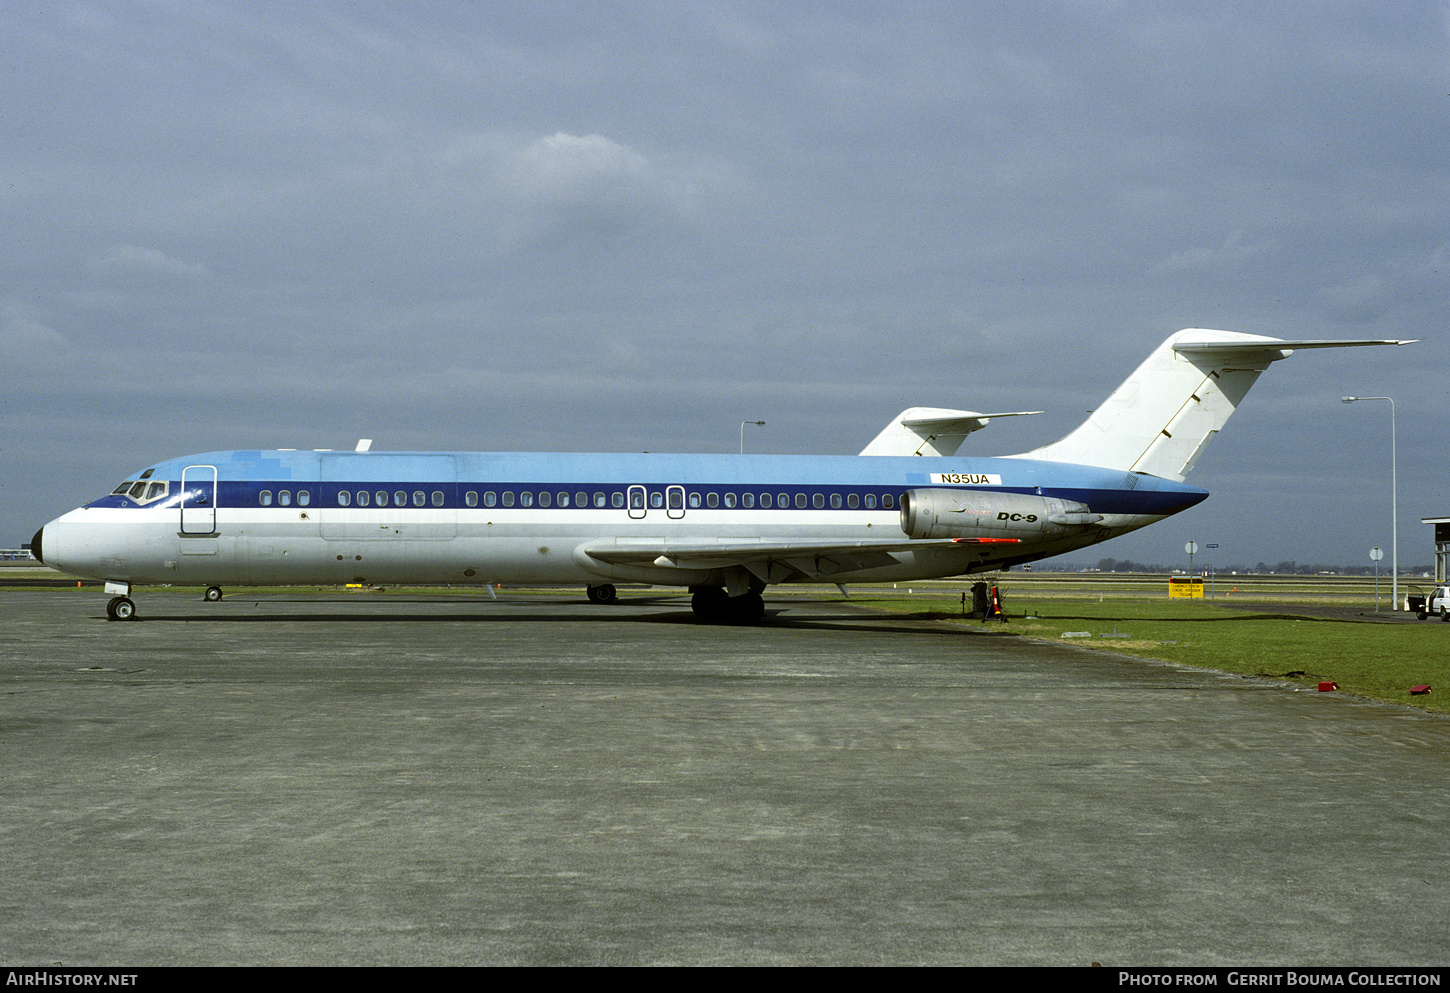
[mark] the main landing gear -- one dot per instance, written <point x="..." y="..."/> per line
<point x="713" y="605"/>
<point x="604" y="593"/>
<point x="213" y="594"/>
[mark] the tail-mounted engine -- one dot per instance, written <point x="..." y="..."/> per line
<point x="986" y="514"/>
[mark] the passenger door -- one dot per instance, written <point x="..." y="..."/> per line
<point x="198" y="499"/>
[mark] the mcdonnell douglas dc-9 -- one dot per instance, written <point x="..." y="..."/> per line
<point x="723" y="526"/>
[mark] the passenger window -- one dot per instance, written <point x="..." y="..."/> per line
<point x="694" y="501"/>
<point x="343" y="498"/>
<point x="265" y="498"/>
<point x="304" y="498"/>
<point x="677" y="499"/>
<point x="870" y="501"/>
<point x="636" y="499"/>
<point x="363" y="498"/>
<point x="581" y="499"/>
<point x="418" y="498"/>
<point x="526" y="499"/>
<point x="382" y="498"/>
<point x="712" y="499"/>
<point x="285" y="498"/>
<point x="766" y="500"/>
<point x="853" y="501"/>
<point x="508" y="498"/>
<point x="818" y="500"/>
<point x="489" y="498"/>
<point x="545" y="498"/>
<point x="747" y="499"/>
<point x="617" y="499"/>
<point x="729" y="499"/>
<point x="887" y="501"/>
<point x="437" y="498"/>
<point x="783" y="501"/>
<point x="563" y="498"/>
<point x="400" y="497"/>
<point x="656" y="499"/>
<point x="470" y="498"/>
<point x="835" y="501"/>
<point x="600" y="501"/>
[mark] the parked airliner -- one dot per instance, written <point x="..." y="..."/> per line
<point x="723" y="526"/>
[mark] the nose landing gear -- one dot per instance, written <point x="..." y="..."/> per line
<point x="121" y="608"/>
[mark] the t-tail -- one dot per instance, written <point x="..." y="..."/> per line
<point x="1163" y="416"/>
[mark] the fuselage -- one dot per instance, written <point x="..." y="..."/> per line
<point x="304" y="517"/>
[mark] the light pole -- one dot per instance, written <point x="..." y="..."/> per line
<point x="742" y="433"/>
<point x="1394" y="506"/>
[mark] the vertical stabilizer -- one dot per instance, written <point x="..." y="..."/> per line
<point x="1163" y="416"/>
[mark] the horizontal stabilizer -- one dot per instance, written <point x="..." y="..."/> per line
<point x="1159" y="421"/>
<point x="1285" y="346"/>
<point x="931" y="431"/>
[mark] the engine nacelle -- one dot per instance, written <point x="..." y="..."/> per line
<point x="986" y="514"/>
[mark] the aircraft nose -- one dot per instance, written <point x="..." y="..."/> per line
<point x="35" y="545"/>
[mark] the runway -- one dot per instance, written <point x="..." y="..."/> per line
<point x="358" y="779"/>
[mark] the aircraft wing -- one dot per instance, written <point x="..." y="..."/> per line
<point x="771" y="561"/>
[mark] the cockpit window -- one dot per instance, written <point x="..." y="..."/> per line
<point x="141" y="491"/>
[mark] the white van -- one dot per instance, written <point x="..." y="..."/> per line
<point x="1437" y="601"/>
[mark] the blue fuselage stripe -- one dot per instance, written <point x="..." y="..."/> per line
<point x="812" y="483"/>
<point x="468" y="496"/>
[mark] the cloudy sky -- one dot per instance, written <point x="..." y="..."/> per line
<point x="629" y="226"/>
